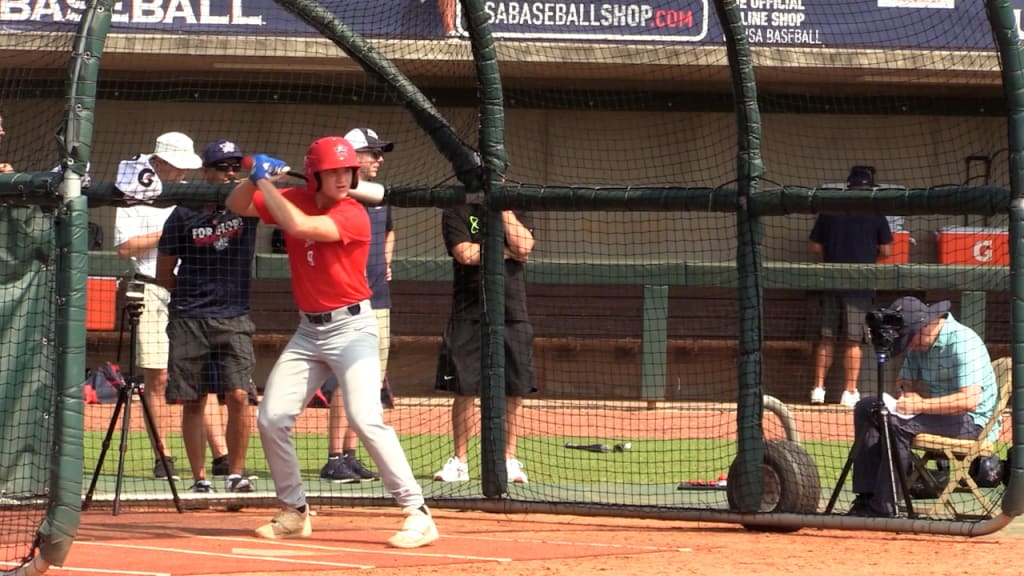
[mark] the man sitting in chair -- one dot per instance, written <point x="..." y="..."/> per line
<point x="948" y="388"/>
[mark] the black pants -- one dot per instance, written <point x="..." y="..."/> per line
<point x="871" y="466"/>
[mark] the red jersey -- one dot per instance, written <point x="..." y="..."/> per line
<point x="326" y="275"/>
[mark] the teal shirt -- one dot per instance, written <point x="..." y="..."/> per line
<point x="958" y="359"/>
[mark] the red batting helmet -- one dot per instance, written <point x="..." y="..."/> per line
<point x="329" y="153"/>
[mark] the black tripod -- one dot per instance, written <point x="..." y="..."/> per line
<point x="897" y="473"/>
<point x="126" y="389"/>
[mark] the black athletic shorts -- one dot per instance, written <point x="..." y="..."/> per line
<point x="463" y="339"/>
<point x="194" y="341"/>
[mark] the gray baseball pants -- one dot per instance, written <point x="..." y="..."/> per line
<point x="346" y="346"/>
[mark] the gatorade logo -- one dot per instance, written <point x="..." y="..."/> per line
<point x="983" y="251"/>
<point x="145" y="177"/>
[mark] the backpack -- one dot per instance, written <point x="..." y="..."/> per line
<point x="102" y="384"/>
<point x="987" y="471"/>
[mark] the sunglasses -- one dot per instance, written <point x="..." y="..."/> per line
<point x="375" y="153"/>
<point x="227" y="166"/>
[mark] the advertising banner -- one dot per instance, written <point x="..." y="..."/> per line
<point x="920" y="24"/>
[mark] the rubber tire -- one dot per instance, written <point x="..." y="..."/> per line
<point x="791" y="484"/>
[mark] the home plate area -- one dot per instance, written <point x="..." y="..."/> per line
<point x="216" y="542"/>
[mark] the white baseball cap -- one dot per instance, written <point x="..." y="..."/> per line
<point x="177" y="150"/>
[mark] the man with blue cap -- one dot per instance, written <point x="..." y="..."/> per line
<point x="947" y="388"/>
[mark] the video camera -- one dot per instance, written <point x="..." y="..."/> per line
<point x="136" y="291"/>
<point x="135" y="296"/>
<point x="885" y="325"/>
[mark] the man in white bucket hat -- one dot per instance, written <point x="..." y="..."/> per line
<point x="136" y="234"/>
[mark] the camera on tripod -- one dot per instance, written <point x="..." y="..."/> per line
<point x="129" y="387"/>
<point x="885" y="325"/>
<point x="136" y="292"/>
<point x="134" y="296"/>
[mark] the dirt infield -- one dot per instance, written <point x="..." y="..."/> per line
<point x="346" y="541"/>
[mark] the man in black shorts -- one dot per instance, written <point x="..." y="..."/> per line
<point x="463" y="236"/>
<point x="856" y="240"/>
<point x="209" y="320"/>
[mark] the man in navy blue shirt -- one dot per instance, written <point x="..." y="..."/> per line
<point x="342" y="465"/>
<point x="212" y="249"/>
<point x="851" y="240"/>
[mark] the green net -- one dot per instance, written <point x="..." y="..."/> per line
<point x="28" y="398"/>
<point x="620" y="131"/>
<point x="634" y="311"/>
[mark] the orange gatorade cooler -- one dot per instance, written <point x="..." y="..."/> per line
<point x="900" y="249"/>
<point x="973" y="245"/>
<point x="100" y="303"/>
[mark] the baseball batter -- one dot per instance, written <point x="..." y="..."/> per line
<point x="327" y="238"/>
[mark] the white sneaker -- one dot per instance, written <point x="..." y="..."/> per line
<point x="418" y="529"/>
<point x="514" y="468"/>
<point x="287" y="523"/>
<point x="850" y="399"/>
<point x="454" y="470"/>
<point x="817" y="395"/>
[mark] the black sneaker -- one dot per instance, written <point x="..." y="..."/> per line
<point x="219" y="467"/>
<point x="237" y="483"/>
<point x="201" y="487"/>
<point x="336" y="470"/>
<point x="158" y="469"/>
<point x="358" y="468"/>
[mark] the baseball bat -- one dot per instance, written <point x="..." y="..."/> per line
<point x="247" y="164"/>
<point x="599" y="448"/>
<point x="366" y="192"/>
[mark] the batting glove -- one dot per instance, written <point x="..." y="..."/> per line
<point x="265" y="167"/>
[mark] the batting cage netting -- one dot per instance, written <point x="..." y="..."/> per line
<point x="639" y="259"/>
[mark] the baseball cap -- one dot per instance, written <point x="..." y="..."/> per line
<point x="219" y="151"/>
<point x="860" y="177"/>
<point x="916" y="315"/>
<point x="363" y="138"/>
<point x="177" y="150"/>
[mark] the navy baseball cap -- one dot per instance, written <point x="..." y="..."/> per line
<point x="219" y="151"/>
<point x="916" y="315"/>
<point x="367" y="139"/>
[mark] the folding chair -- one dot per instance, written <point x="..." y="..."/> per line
<point x="960" y="453"/>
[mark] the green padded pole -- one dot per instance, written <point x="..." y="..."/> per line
<point x="1004" y="28"/>
<point x="957" y="200"/>
<point x="60" y="527"/>
<point x="749" y="168"/>
<point x="74" y="141"/>
<point x="493" y="414"/>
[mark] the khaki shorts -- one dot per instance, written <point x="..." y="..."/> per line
<point x="384" y="337"/>
<point x="152" y="333"/>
